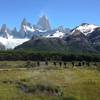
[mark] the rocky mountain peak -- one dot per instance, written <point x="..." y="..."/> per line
<point x="3" y="28"/>
<point x="84" y="24"/>
<point x="86" y="28"/>
<point x="24" y="22"/>
<point x="43" y="23"/>
<point x="5" y="32"/>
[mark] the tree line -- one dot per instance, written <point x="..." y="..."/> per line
<point x="13" y="55"/>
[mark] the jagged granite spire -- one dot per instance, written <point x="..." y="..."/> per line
<point x="24" y="22"/>
<point x="5" y="32"/>
<point x="44" y="23"/>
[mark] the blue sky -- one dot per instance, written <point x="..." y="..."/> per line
<point x="68" y="13"/>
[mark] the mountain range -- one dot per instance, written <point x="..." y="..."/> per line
<point x="42" y="37"/>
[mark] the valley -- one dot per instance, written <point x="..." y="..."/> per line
<point x="49" y="81"/>
<point x="49" y="50"/>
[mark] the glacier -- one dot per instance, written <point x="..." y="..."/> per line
<point x="11" y="42"/>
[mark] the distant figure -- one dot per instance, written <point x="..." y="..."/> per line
<point x="79" y="64"/>
<point x="60" y="63"/>
<point x="87" y="63"/>
<point x="46" y="63"/>
<point x="64" y="64"/>
<point x="83" y="63"/>
<point x="38" y="63"/>
<point x="72" y="64"/>
<point x="54" y="63"/>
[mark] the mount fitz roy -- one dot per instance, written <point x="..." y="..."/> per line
<point x="41" y="37"/>
<point x="12" y="38"/>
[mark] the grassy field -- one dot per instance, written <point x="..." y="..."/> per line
<point x="48" y="83"/>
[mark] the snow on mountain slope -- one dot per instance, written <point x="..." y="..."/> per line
<point x="41" y="30"/>
<point x="56" y="34"/>
<point x="32" y="29"/>
<point x="86" y="28"/>
<point x="11" y="43"/>
<point x="27" y="28"/>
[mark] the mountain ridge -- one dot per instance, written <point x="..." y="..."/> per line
<point x="86" y="36"/>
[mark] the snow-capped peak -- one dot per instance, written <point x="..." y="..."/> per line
<point x="26" y="26"/>
<point x="86" y="28"/>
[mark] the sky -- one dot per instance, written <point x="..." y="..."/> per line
<point x="68" y="13"/>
